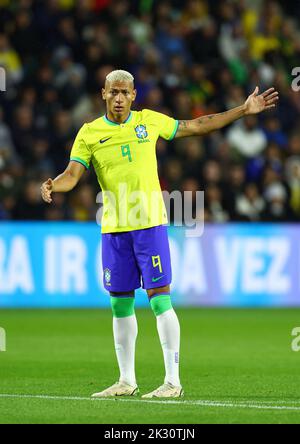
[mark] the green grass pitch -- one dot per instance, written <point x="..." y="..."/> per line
<point x="237" y="366"/>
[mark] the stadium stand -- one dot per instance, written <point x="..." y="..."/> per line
<point x="189" y="59"/>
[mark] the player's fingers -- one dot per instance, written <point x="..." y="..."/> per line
<point x="46" y="186"/>
<point x="268" y="91"/>
<point x="44" y="190"/>
<point x="271" y="96"/>
<point x="47" y="198"/>
<point x="46" y="194"/>
<point x="270" y="102"/>
<point x="255" y="92"/>
<point x="270" y="106"/>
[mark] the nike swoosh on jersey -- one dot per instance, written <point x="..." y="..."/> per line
<point x="157" y="279"/>
<point x="105" y="140"/>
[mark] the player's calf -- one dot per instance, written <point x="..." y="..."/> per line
<point x="169" y="335"/>
<point x="125" y="333"/>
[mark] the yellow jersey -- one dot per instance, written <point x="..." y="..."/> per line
<point x="124" y="159"/>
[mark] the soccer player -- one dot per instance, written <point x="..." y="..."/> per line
<point x="121" y="146"/>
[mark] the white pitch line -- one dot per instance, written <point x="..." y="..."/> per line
<point x="202" y="403"/>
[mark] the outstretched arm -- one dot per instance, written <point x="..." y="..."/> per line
<point x="255" y="103"/>
<point x="64" y="182"/>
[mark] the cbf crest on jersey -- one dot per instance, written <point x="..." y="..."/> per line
<point x="141" y="131"/>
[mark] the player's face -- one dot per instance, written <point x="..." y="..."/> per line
<point x="119" y="97"/>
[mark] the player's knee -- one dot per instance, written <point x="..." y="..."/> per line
<point x="122" y="307"/>
<point x="159" y="290"/>
<point x="160" y="303"/>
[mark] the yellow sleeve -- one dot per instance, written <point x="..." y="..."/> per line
<point x="167" y="125"/>
<point x="80" y="151"/>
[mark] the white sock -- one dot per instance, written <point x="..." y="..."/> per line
<point x="125" y="333"/>
<point x="169" y="335"/>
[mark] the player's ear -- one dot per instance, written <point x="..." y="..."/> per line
<point x="103" y="94"/>
<point x="134" y="95"/>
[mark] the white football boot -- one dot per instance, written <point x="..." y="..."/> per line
<point x="118" y="389"/>
<point x="166" y="391"/>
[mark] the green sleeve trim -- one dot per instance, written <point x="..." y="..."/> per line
<point x="175" y="130"/>
<point x="77" y="159"/>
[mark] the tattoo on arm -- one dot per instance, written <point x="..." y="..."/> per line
<point x="182" y="124"/>
<point x="202" y="120"/>
<point x="197" y="126"/>
<point x="185" y="125"/>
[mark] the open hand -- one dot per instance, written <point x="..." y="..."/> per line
<point x="46" y="190"/>
<point x="256" y="103"/>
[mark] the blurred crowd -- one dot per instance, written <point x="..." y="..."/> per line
<point x="189" y="58"/>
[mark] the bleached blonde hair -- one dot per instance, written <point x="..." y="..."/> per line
<point x="119" y="75"/>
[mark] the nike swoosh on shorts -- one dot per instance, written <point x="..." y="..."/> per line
<point x="157" y="279"/>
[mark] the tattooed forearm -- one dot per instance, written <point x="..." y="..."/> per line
<point x="182" y="124"/>
<point x="202" y="120"/>
<point x="185" y="124"/>
<point x="206" y="124"/>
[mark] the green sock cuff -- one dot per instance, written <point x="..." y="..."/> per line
<point x="122" y="306"/>
<point x="160" y="304"/>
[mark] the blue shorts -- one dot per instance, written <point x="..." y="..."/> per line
<point x="132" y="256"/>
